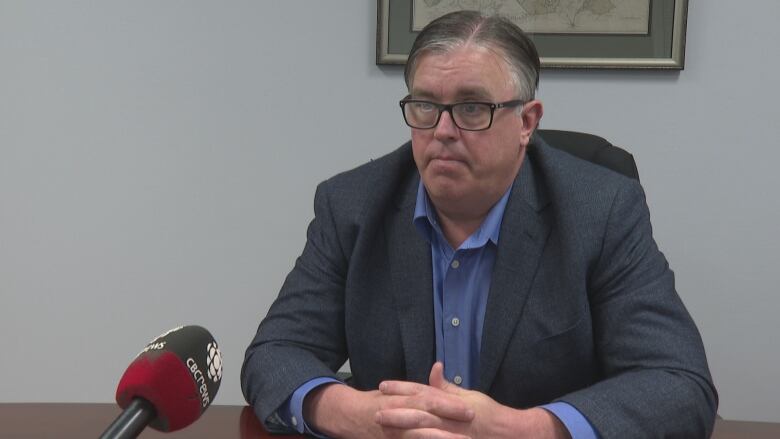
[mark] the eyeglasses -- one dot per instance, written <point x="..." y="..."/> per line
<point x="469" y="116"/>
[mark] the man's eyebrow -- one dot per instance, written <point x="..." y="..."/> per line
<point x="422" y="94"/>
<point x="471" y="93"/>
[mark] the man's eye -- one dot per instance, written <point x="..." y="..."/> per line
<point x="470" y="109"/>
<point x="424" y="106"/>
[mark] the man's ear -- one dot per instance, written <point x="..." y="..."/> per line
<point x="532" y="113"/>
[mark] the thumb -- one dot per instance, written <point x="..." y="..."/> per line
<point x="437" y="380"/>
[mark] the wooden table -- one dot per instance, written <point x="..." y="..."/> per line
<point x="72" y="421"/>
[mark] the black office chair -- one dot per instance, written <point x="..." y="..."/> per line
<point x="592" y="148"/>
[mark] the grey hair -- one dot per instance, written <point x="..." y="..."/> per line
<point x="496" y="33"/>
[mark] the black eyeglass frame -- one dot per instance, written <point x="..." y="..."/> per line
<point x="448" y="108"/>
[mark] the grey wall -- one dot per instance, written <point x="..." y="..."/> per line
<point x="158" y="162"/>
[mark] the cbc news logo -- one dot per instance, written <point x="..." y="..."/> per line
<point x="214" y="361"/>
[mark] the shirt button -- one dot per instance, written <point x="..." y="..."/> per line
<point x="455" y="321"/>
<point x="457" y="380"/>
<point x="455" y="263"/>
<point x="294" y="421"/>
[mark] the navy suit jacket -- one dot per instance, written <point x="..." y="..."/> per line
<point x="582" y="306"/>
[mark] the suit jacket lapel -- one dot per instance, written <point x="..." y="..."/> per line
<point x="411" y="271"/>
<point x="521" y="241"/>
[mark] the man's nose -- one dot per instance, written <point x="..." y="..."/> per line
<point x="446" y="128"/>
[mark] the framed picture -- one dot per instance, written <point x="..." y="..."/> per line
<point x="604" y="34"/>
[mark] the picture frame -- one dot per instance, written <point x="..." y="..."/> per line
<point x="662" y="46"/>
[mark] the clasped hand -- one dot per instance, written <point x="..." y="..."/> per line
<point x="440" y="410"/>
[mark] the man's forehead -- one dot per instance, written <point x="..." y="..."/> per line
<point x="466" y="72"/>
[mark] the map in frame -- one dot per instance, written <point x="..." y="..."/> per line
<point x="623" y="17"/>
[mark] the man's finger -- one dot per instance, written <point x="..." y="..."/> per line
<point x="429" y="433"/>
<point x="422" y="433"/>
<point x="436" y="377"/>
<point x="407" y="418"/>
<point x="437" y="380"/>
<point x="419" y="424"/>
<point x="401" y="388"/>
<point x="435" y="402"/>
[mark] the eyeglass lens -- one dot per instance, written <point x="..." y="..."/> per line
<point x="466" y="115"/>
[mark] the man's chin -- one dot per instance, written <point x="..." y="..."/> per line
<point x="443" y="189"/>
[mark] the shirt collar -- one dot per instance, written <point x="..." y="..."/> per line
<point x="426" y="222"/>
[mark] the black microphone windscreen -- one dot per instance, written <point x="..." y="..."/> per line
<point x="179" y="373"/>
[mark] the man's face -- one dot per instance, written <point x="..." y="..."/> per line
<point x="462" y="168"/>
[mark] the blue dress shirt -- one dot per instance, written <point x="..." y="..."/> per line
<point x="461" y="282"/>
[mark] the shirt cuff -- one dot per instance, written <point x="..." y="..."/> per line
<point x="291" y="412"/>
<point x="578" y="425"/>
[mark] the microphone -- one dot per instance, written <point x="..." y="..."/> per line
<point x="169" y="384"/>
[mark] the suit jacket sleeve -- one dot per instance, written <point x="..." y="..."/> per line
<point x="657" y="380"/>
<point x="302" y="336"/>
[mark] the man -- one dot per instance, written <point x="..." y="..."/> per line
<point x="481" y="283"/>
